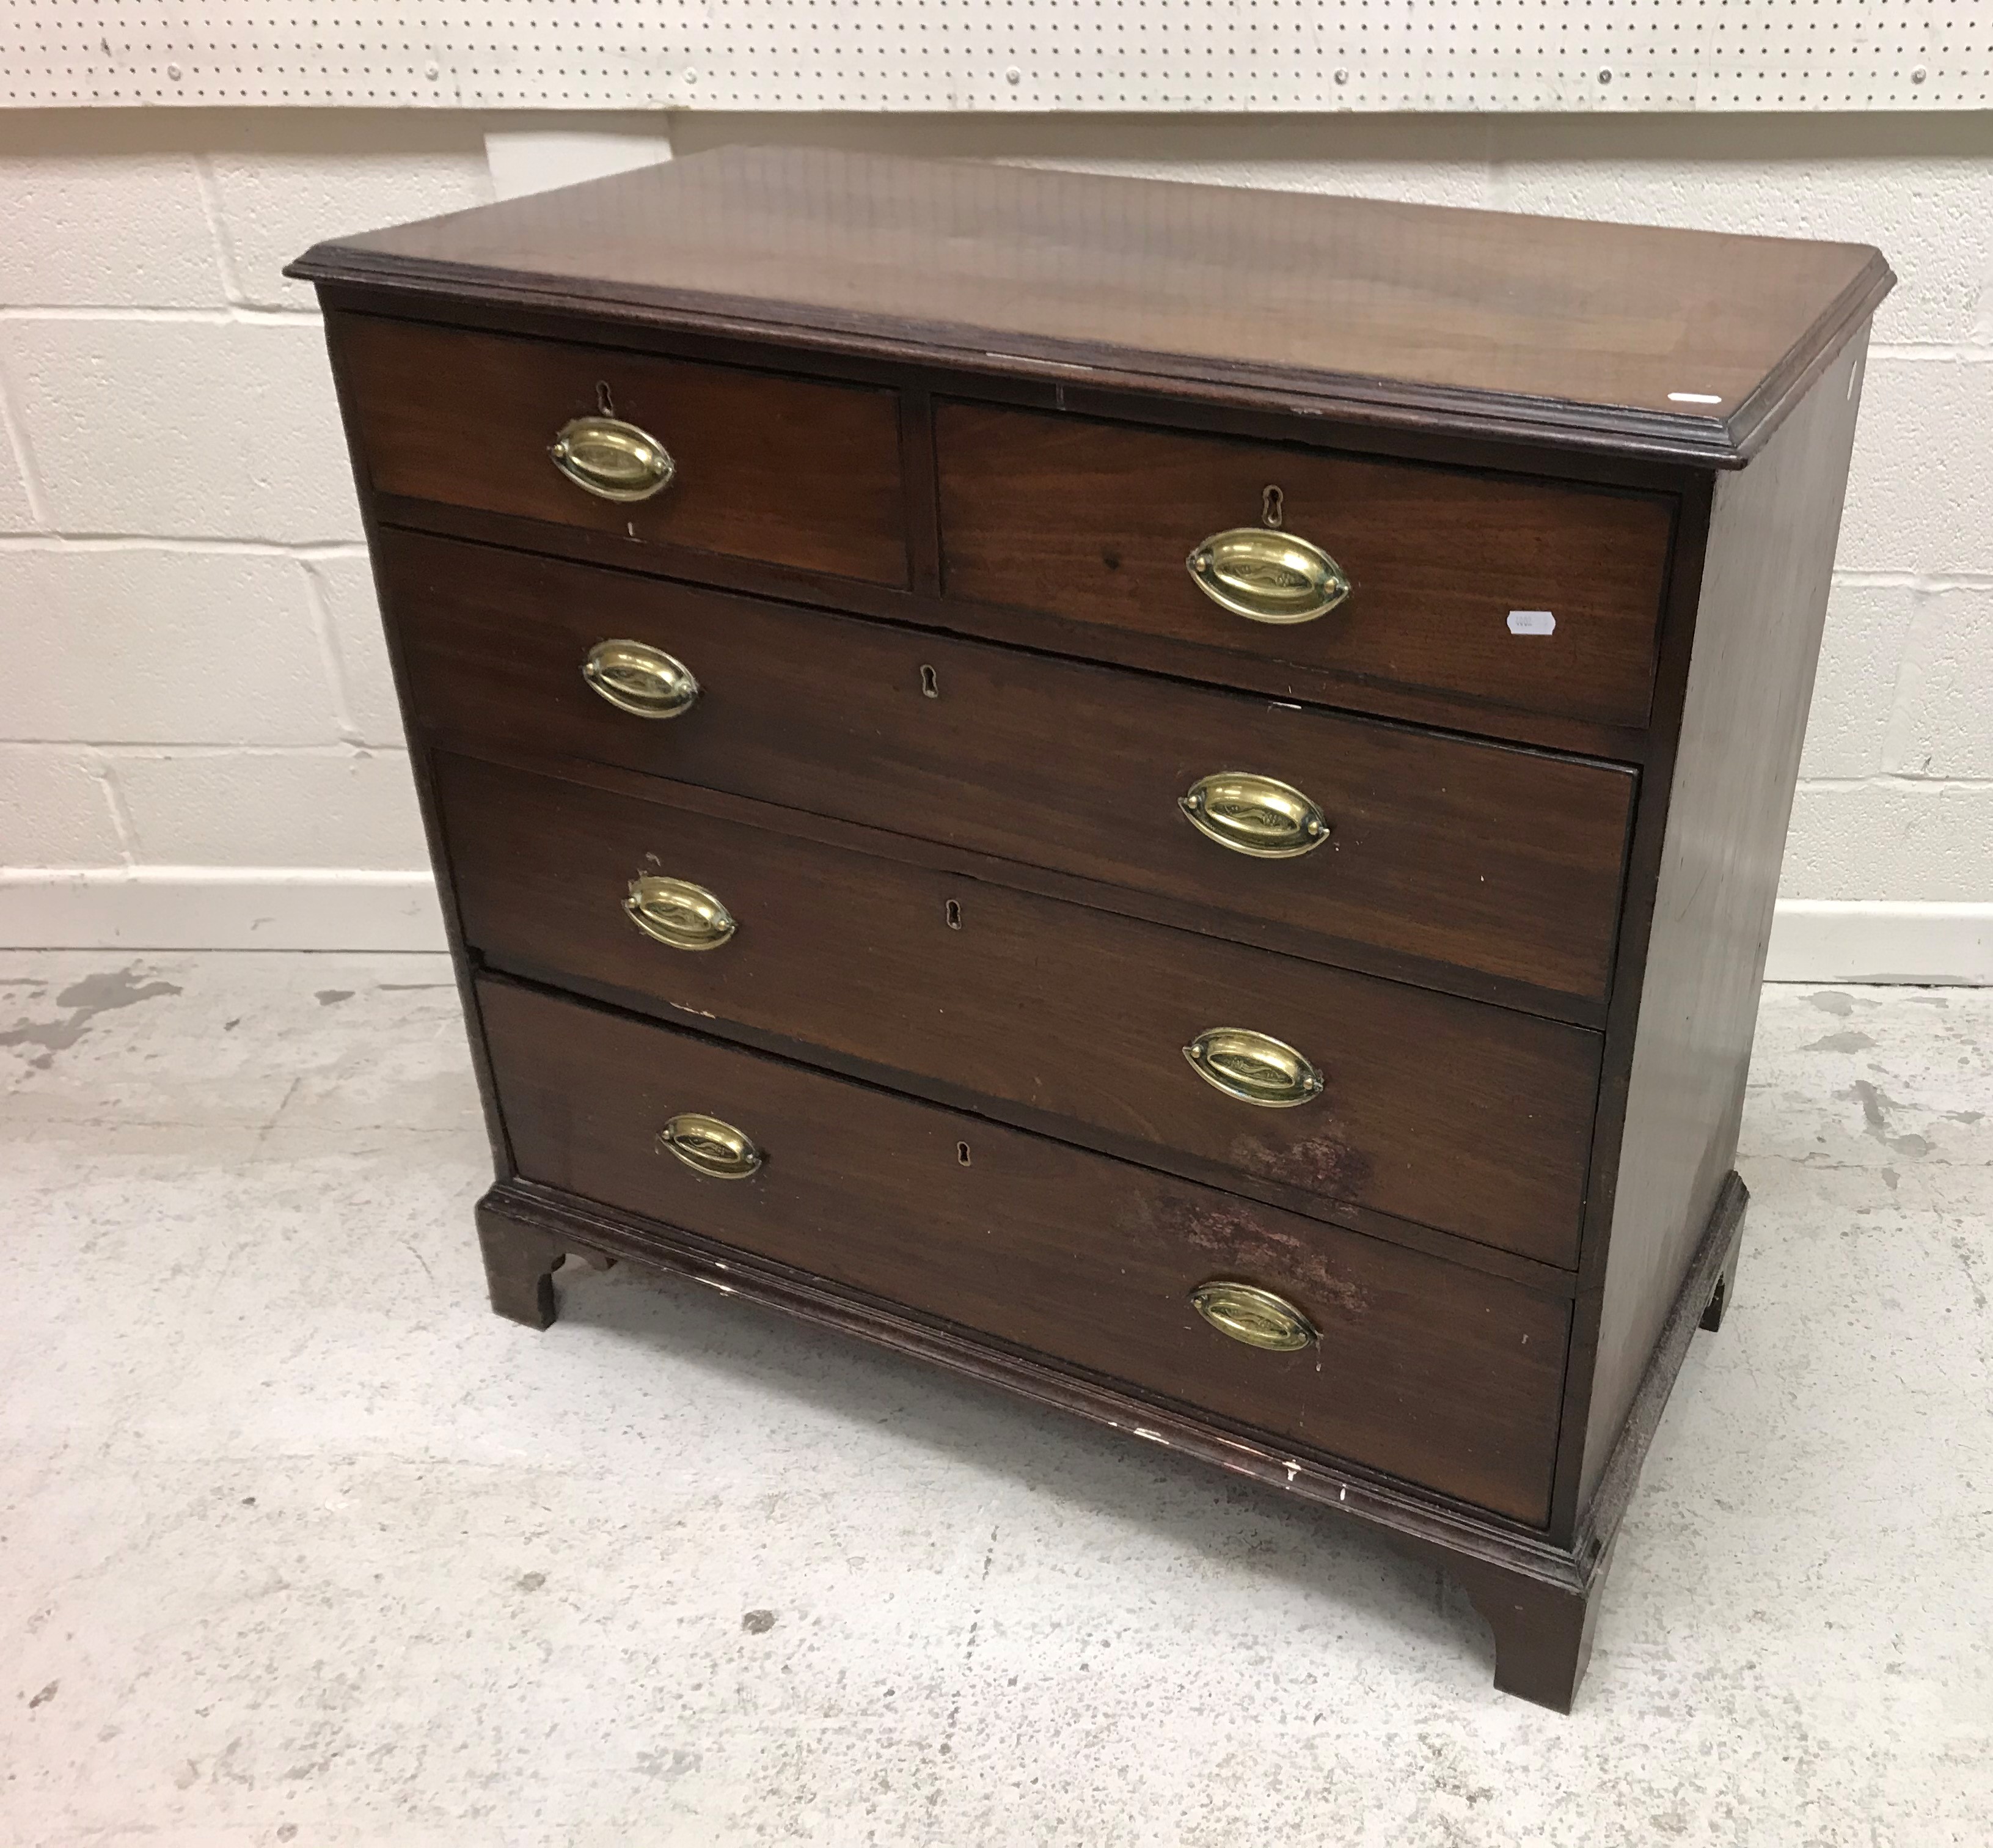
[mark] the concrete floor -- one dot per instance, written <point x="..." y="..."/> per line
<point x="303" y="1544"/>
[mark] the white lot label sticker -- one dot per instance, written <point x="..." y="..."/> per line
<point x="1532" y="622"/>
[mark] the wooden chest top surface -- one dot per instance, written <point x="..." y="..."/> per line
<point x="1674" y="343"/>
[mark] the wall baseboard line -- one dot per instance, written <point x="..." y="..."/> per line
<point x="1944" y="944"/>
<point x="218" y="907"/>
<point x="1938" y="942"/>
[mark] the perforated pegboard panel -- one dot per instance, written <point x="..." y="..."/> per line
<point x="1015" y="55"/>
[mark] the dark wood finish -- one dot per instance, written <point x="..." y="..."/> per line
<point x="461" y="968"/>
<point x="1290" y="682"/>
<point x="1714" y="1258"/>
<point x="1111" y="358"/>
<point x="1525" y="1584"/>
<point x="917" y="466"/>
<point x="519" y="1266"/>
<point x="1543" y="1620"/>
<point x="1445" y="848"/>
<point x="1574" y="334"/>
<point x="795" y="471"/>
<point x="1542" y="1630"/>
<point x="1623" y="1014"/>
<point x="1093" y="521"/>
<point x="1467" y="1118"/>
<point x="1172" y="909"/>
<point x="1721" y="1297"/>
<point x="1446" y="1378"/>
<point x="1763" y="598"/>
<point x="575" y="1226"/>
<point x="1462" y="709"/>
<point x="995" y="378"/>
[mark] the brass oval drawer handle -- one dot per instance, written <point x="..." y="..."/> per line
<point x="1255" y="1068"/>
<point x="1268" y="577"/>
<point x="1252" y="814"/>
<point x="636" y="677"/>
<point x="1255" y="1316"/>
<point x="677" y="912"/>
<point x="710" y="1147"/>
<point x="612" y="460"/>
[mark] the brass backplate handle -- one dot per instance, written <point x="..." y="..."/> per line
<point x="1267" y="576"/>
<point x="679" y="913"/>
<point x="612" y="460"/>
<point x="1252" y="1316"/>
<point x="1255" y="1068"/>
<point x="637" y="678"/>
<point x="1258" y="816"/>
<point x="710" y="1147"/>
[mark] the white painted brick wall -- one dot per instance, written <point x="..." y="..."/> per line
<point x="1853" y="707"/>
<point x="1941" y="725"/>
<point x="200" y="741"/>
<point x="195" y="682"/>
<point x="343" y="585"/>
<point x="1909" y="840"/>
<point x="123" y="229"/>
<point x="139" y="644"/>
<point x="210" y="429"/>
<point x="271" y="204"/>
<point x="221" y="807"/>
<point x="59" y="807"/>
<point x="17" y="513"/>
<point x="1919" y="499"/>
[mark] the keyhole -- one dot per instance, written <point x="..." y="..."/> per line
<point x="1270" y="498"/>
<point x="930" y="684"/>
<point x="954" y="915"/>
<point x="962" y="1153"/>
<point x="603" y="402"/>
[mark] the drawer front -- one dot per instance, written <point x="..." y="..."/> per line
<point x="1438" y="848"/>
<point x="1470" y="1119"/>
<point x="1423" y="1369"/>
<point x="1095" y="522"/>
<point x="792" y="471"/>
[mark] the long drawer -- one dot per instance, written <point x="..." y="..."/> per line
<point x="1473" y="1119"/>
<point x="1399" y="1361"/>
<point x="1426" y="846"/>
<point x="799" y="472"/>
<point x="1523" y="594"/>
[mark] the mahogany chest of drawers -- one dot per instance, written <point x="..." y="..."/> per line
<point x="1168" y="796"/>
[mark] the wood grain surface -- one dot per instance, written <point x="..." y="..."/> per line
<point x="793" y="471"/>
<point x="1094" y="521"/>
<point x="1471" y="1119"/>
<point x="1613" y="336"/>
<point x="1439" y="1375"/>
<point x="1494" y="859"/>
<point x="1765" y="583"/>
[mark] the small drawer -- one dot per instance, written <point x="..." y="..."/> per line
<point x="1514" y="592"/>
<point x="753" y="465"/>
<point x="1312" y="831"/>
<point x="1389" y="1358"/>
<point x="1473" y="1119"/>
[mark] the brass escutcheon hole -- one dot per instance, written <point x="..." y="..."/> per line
<point x="954" y="913"/>
<point x="603" y="402"/>
<point x="1270" y="511"/>
<point x="962" y="1153"/>
<point x="930" y="684"/>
